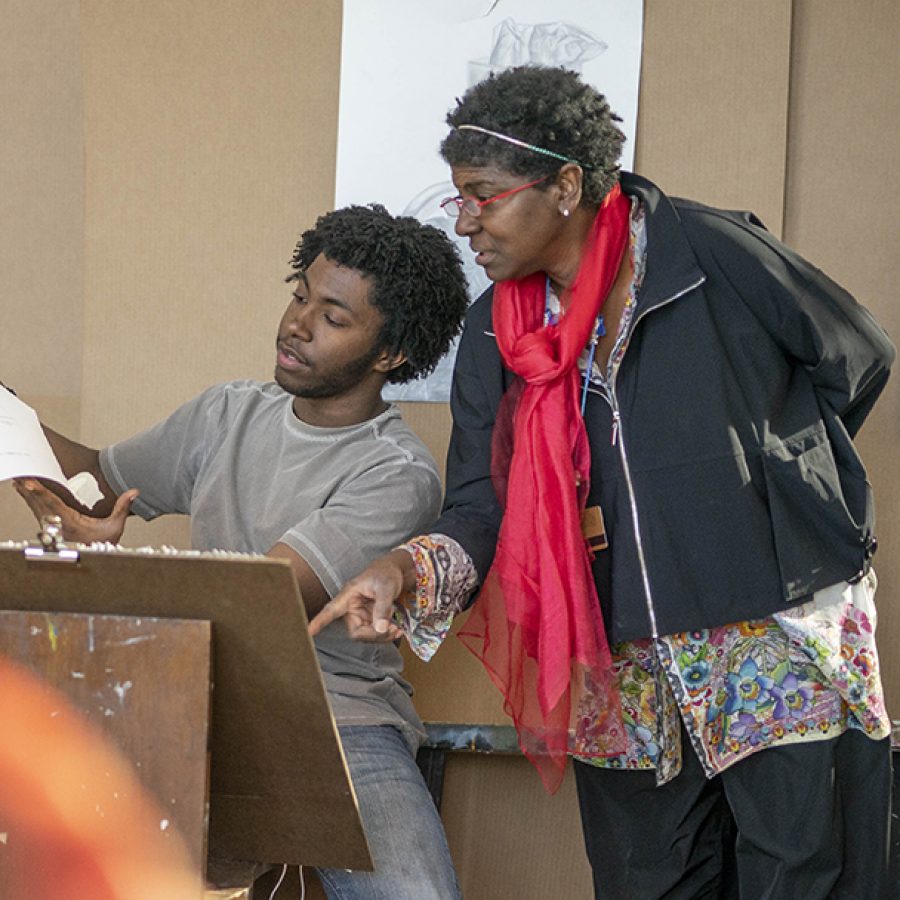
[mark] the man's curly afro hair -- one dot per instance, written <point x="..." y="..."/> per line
<point x="549" y="107"/>
<point x="418" y="283"/>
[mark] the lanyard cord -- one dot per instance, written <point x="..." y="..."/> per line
<point x="599" y="332"/>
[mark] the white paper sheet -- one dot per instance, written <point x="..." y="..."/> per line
<point x="25" y="453"/>
<point x="403" y="64"/>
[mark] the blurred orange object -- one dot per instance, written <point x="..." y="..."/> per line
<point x="75" y="824"/>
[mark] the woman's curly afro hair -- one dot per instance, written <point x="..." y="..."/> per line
<point x="418" y="283"/>
<point x="548" y="107"/>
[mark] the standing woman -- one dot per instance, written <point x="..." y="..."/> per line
<point x="651" y="478"/>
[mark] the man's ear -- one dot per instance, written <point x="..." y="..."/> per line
<point x="389" y="360"/>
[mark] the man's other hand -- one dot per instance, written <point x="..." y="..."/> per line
<point x="76" y="526"/>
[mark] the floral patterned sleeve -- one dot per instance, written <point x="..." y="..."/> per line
<point x="445" y="578"/>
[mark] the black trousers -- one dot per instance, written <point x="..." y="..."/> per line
<point x="799" y="822"/>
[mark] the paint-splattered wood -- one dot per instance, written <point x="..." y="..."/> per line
<point x="279" y="787"/>
<point x="146" y="683"/>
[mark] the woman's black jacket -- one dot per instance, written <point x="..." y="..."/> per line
<point x="733" y="488"/>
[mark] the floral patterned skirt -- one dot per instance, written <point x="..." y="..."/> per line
<point x="805" y="674"/>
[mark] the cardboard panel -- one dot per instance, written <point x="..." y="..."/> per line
<point x="712" y="114"/>
<point x="432" y="423"/>
<point x="41" y="197"/>
<point x="842" y="214"/>
<point x="454" y="686"/>
<point x="510" y="840"/>
<point x="210" y="132"/>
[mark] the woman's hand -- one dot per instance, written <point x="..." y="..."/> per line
<point x="76" y="526"/>
<point x="366" y="603"/>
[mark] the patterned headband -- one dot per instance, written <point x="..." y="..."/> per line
<point x="518" y="143"/>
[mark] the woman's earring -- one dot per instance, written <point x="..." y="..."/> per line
<point x="565" y="212"/>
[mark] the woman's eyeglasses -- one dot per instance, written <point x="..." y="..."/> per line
<point x="454" y="205"/>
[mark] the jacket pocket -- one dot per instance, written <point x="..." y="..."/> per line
<point x="820" y="509"/>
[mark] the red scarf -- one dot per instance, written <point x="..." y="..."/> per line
<point x="537" y="625"/>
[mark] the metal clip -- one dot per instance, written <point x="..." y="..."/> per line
<point x="51" y="547"/>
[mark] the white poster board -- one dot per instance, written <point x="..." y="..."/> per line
<point x="404" y="63"/>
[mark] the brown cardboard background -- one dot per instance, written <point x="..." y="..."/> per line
<point x="211" y="130"/>
<point x="843" y="213"/>
<point x="41" y="195"/>
<point x="209" y="135"/>
<point x="41" y="218"/>
<point x="712" y="119"/>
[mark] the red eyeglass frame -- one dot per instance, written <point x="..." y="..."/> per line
<point x="466" y="204"/>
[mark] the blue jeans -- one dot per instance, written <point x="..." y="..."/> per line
<point x="403" y="827"/>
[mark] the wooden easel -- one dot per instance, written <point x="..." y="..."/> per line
<point x="278" y="786"/>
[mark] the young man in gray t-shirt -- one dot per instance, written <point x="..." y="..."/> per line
<point x="317" y="469"/>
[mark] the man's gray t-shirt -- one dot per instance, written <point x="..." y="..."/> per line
<point x="251" y="475"/>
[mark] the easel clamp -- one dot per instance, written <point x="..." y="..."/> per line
<point x="50" y="546"/>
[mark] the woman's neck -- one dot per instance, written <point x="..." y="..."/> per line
<point x="569" y="248"/>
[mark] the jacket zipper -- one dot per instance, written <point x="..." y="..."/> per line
<point x="617" y="438"/>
